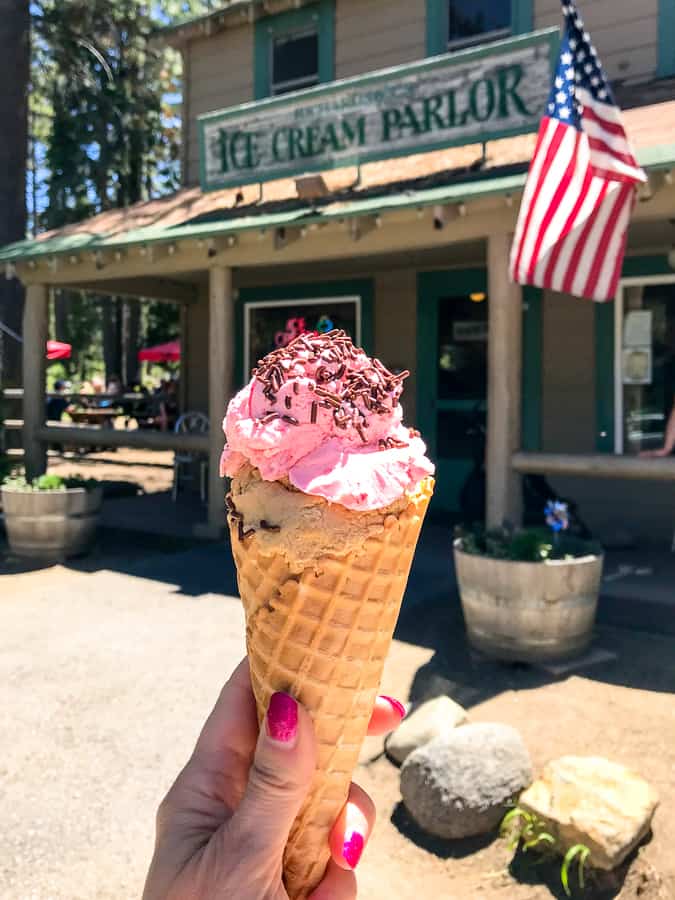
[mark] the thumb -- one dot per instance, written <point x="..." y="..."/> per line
<point x="279" y="779"/>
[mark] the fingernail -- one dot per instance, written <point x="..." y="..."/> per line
<point x="282" y="718"/>
<point x="398" y="706"/>
<point x="353" y="848"/>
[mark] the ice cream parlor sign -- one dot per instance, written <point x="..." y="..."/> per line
<point x="458" y="98"/>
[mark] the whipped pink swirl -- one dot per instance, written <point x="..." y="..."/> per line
<point x="323" y="414"/>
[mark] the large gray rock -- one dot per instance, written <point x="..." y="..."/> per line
<point x="460" y="785"/>
<point x="433" y="719"/>
<point x="592" y="801"/>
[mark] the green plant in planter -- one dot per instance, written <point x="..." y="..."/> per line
<point x="529" y="544"/>
<point x="527" y="831"/>
<point x="48" y="483"/>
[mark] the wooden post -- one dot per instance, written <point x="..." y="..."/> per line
<point x="504" y="491"/>
<point x="221" y="383"/>
<point x="35" y="315"/>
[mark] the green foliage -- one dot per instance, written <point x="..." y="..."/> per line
<point x="524" y="545"/>
<point x="48" y="483"/>
<point x="526" y="830"/>
<point x="104" y="100"/>
<point x="580" y="852"/>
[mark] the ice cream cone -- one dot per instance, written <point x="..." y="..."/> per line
<point x="322" y="635"/>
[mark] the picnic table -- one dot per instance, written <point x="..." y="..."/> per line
<point x="94" y="416"/>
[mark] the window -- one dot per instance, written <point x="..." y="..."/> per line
<point x="472" y="21"/>
<point x="453" y="24"/>
<point x="294" y="61"/>
<point x="644" y="362"/>
<point x="294" y="50"/>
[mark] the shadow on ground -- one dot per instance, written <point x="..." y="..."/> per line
<point x="637" y="653"/>
<point x="444" y="849"/>
<point x="632" y="879"/>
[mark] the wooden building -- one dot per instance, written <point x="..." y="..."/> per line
<point x="362" y="161"/>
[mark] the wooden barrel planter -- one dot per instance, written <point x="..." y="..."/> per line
<point x="51" y="525"/>
<point x="528" y="611"/>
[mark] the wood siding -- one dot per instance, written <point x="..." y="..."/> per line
<point x="220" y="75"/>
<point x="568" y="374"/>
<point x="624" y="34"/>
<point x="374" y="34"/>
<point x="396" y="329"/>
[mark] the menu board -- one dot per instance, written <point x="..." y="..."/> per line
<point x="269" y="324"/>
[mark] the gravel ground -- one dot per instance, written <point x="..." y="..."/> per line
<point x="108" y="669"/>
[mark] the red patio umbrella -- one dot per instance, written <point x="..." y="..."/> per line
<point x="169" y="352"/>
<point x="58" y="350"/>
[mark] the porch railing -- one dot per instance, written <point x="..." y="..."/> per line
<point x="595" y="465"/>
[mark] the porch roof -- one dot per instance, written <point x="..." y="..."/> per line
<point x="457" y="175"/>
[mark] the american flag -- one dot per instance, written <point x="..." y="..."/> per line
<point x="580" y="189"/>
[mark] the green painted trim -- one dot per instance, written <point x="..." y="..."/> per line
<point x="604" y="377"/>
<point x="522" y="16"/>
<point x="532" y="369"/>
<point x="522" y="22"/>
<point x="666" y="39"/>
<point x="635" y="266"/>
<point x="437" y="27"/>
<point x="323" y="13"/>
<point x="431" y="286"/>
<point x="361" y="287"/>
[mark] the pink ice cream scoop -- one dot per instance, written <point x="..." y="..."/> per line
<point x="326" y="416"/>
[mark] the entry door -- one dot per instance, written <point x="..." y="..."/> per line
<point x="452" y="373"/>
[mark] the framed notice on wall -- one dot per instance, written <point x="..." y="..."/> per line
<point x="269" y="324"/>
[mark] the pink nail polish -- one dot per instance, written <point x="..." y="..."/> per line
<point x="282" y="718"/>
<point x="398" y="706"/>
<point x="353" y="848"/>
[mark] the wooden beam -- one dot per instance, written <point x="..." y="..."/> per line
<point x="221" y="383"/>
<point x="86" y="435"/>
<point x="35" y="317"/>
<point x="505" y="311"/>
<point x="595" y="465"/>
<point x="152" y="288"/>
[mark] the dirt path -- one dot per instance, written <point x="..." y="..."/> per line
<point x="107" y="674"/>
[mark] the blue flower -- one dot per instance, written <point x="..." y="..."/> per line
<point x="557" y="515"/>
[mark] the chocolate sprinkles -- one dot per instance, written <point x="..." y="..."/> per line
<point x="358" y="393"/>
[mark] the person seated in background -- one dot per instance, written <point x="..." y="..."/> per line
<point x="56" y="406"/>
<point x="114" y="385"/>
<point x="668" y="439"/>
<point x="168" y="407"/>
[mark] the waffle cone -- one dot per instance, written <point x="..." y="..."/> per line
<point x="323" y="636"/>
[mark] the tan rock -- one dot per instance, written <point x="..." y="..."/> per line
<point x="590" y="800"/>
<point x="435" y="718"/>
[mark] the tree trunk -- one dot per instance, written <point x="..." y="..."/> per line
<point x="14" y="72"/>
<point x="111" y="337"/>
<point x="61" y="311"/>
<point x="131" y="340"/>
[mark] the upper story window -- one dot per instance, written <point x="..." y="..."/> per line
<point x="294" y="61"/>
<point x="473" y="21"/>
<point x="454" y="24"/>
<point x="295" y="50"/>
